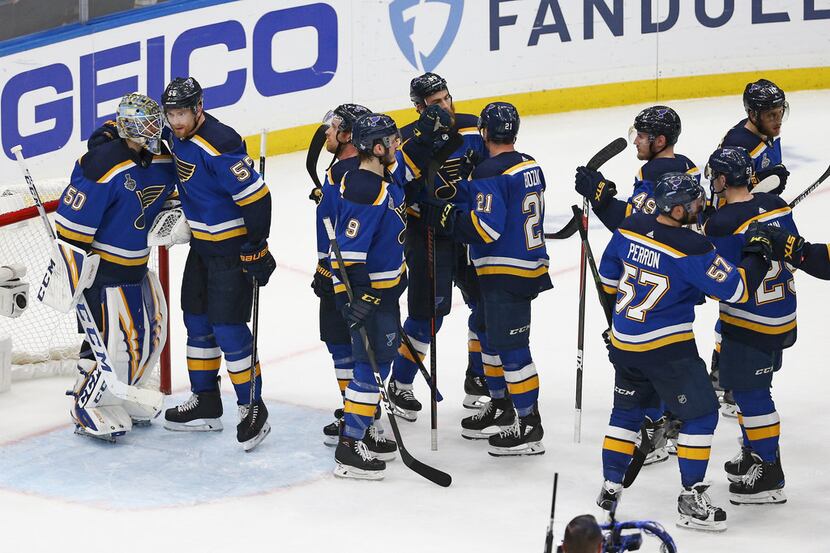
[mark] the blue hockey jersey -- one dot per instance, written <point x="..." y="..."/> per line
<point x="763" y="153"/>
<point x="504" y="224"/>
<point x="225" y="200"/>
<point x="110" y="204"/>
<point x="657" y="274"/>
<point x="767" y="320"/>
<point x="329" y="200"/>
<point x="642" y="197"/>
<point x="371" y="219"/>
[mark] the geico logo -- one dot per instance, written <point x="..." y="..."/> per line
<point x="514" y="331"/>
<point x="38" y="106"/>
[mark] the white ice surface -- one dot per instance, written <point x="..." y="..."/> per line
<point x="493" y="504"/>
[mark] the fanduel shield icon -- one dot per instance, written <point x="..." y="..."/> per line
<point x="402" y="15"/>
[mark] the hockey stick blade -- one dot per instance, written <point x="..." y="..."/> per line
<point x="638" y="460"/>
<point x="430" y="473"/>
<point x="318" y="139"/>
<point x="615" y="147"/>
<point x="567" y="231"/>
<point x="810" y="188"/>
<point x="768" y="184"/>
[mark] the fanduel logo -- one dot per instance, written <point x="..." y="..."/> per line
<point x="402" y="15"/>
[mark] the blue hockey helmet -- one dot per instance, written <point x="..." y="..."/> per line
<point x="501" y="121"/>
<point x="657" y="120"/>
<point x="182" y="93"/>
<point x="732" y="162"/>
<point x="345" y="115"/>
<point x="677" y="189"/>
<point x="423" y="86"/>
<point x="764" y="95"/>
<point x="374" y="128"/>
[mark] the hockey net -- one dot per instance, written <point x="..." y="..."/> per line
<point x="44" y="341"/>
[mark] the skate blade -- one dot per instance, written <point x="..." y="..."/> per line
<point x="256" y="440"/>
<point x="109" y="438"/>
<point x="197" y="425"/>
<point x="345" y="471"/>
<point x="532" y="448"/>
<point x="389" y="456"/>
<point x="330" y="441"/>
<point x="690" y="523"/>
<point x="480" y="434"/>
<point x="405" y="414"/>
<point x="771" y="497"/>
<point x="474" y="401"/>
<point x="656" y="457"/>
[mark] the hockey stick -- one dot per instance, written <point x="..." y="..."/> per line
<point x="797" y="200"/>
<point x="612" y="149"/>
<point x="768" y="184"/>
<point x="318" y="139"/>
<point x="430" y="473"/>
<point x="121" y="390"/>
<point x="418" y="361"/>
<point x="549" y="536"/>
<point x="255" y="298"/>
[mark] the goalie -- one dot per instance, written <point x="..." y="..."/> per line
<point x="115" y="193"/>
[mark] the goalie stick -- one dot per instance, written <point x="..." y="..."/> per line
<point x="430" y="473"/>
<point x="613" y="148"/>
<point x="121" y="390"/>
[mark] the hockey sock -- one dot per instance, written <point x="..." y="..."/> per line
<point x="203" y="354"/>
<point x="235" y="340"/>
<point x="362" y="395"/>
<point x="694" y="445"/>
<point x="341" y="355"/>
<point x="474" y="361"/>
<point x="759" y="421"/>
<point x="405" y="367"/>
<point x="522" y="380"/>
<point x="620" y="439"/>
<point x="493" y="370"/>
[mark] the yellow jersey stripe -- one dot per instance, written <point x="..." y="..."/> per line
<point x="481" y="232"/>
<point x="118" y="260"/>
<point x="206" y="144"/>
<point x="518" y="167"/>
<point x="758" y="327"/>
<point x="660" y="245"/>
<point x="117" y="168"/>
<point x="219" y="236"/>
<point x="253" y="197"/>
<point x="411" y="164"/>
<point x="654" y="344"/>
<point x="515" y="271"/>
<point x="64" y="232"/>
<point x="773" y="214"/>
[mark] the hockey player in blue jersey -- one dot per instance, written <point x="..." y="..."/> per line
<point x="766" y="110"/>
<point x="370" y="225"/>
<point x="333" y="329"/>
<point x="114" y="195"/>
<point x="654" y="134"/>
<point x="755" y="333"/>
<point x="503" y="226"/>
<point x="433" y="101"/>
<point x="228" y="208"/>
<point x="654" y="272"/>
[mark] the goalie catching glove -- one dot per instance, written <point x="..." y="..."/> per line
<point x="71" y="270"/>
<point x="170" y="227"/>
<point x="257" y="262"/>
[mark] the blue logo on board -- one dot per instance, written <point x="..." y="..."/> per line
<point x="402" y="15"/>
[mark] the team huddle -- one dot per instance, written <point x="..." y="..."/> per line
<point x="444" y="201"/>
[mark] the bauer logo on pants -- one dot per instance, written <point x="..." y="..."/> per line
<point x="402" y="15"/>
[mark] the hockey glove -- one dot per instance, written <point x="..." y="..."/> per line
<point x="316" y="195"/>
<point x="592" y="185"/>
<point x="468" y="163"/>
<point x="322" y="283"/>
<point x="606" y="337"/>
<point x="103" y="134"/>
<point x="363" y="304"/>
<point x="432" y="127"/>
<point x="785" y="247"/>
<point x="778" y="170"/>
<point x="257" y="262"/>
<point x="439" y="215"/>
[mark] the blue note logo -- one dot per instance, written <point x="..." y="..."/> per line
<point x="402" y="15"/>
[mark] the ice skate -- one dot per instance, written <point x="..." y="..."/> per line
<point x="697" y="512"/>
<point x="331" y="432"/>
<point x="740" y="464"/>
<point x="656" y="432"/>
<point x="493" y="416"/>
<point x="354" y="460"/>
<point x="253" y="425"/>
<point x="609" y="495"/>
<point x="201" y="413"/>
<point x="378" y="446"/>
<point x="523" y="437"/>
<point x="475" y="388"/>
<point x="728" y="407"/>
<point x="403" y="401"/>
<point x="762" y="484"/>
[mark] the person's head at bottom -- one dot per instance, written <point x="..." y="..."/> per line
<point x="582" y="535"/>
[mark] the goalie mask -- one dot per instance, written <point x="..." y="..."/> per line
<point x="139" y="119"/>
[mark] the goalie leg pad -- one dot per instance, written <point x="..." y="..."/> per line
<point x="70" y="271"/>
<point x="95" y="411"/>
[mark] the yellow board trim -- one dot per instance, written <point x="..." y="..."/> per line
<point x="758" y="327"/>
<point x="654" y="344"/>
<point x="612" y="444"/>
<point x="694" y="453"/>
<point x="577" y="98"/>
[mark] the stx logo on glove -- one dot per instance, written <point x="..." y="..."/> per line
<point x="788" y="247"/>
<point x="600" y="188"/>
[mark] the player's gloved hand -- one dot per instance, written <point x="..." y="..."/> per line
<point x="757" y="241"/>
<point x="778" y="170"/>
<point x="468" y="163"/>
<point x="784" y="246"/>
<point x="103" y="134"/>
<point x="592" y="185"/>
<point x="363" y="304"/>
<point x="257" y="262"/>
<point x="316" y="195"/>
<point x="322" y="283"/>
<point x="439" y="214"/>
<point x="432" y="127"/>
<point x="606" y="337"/>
